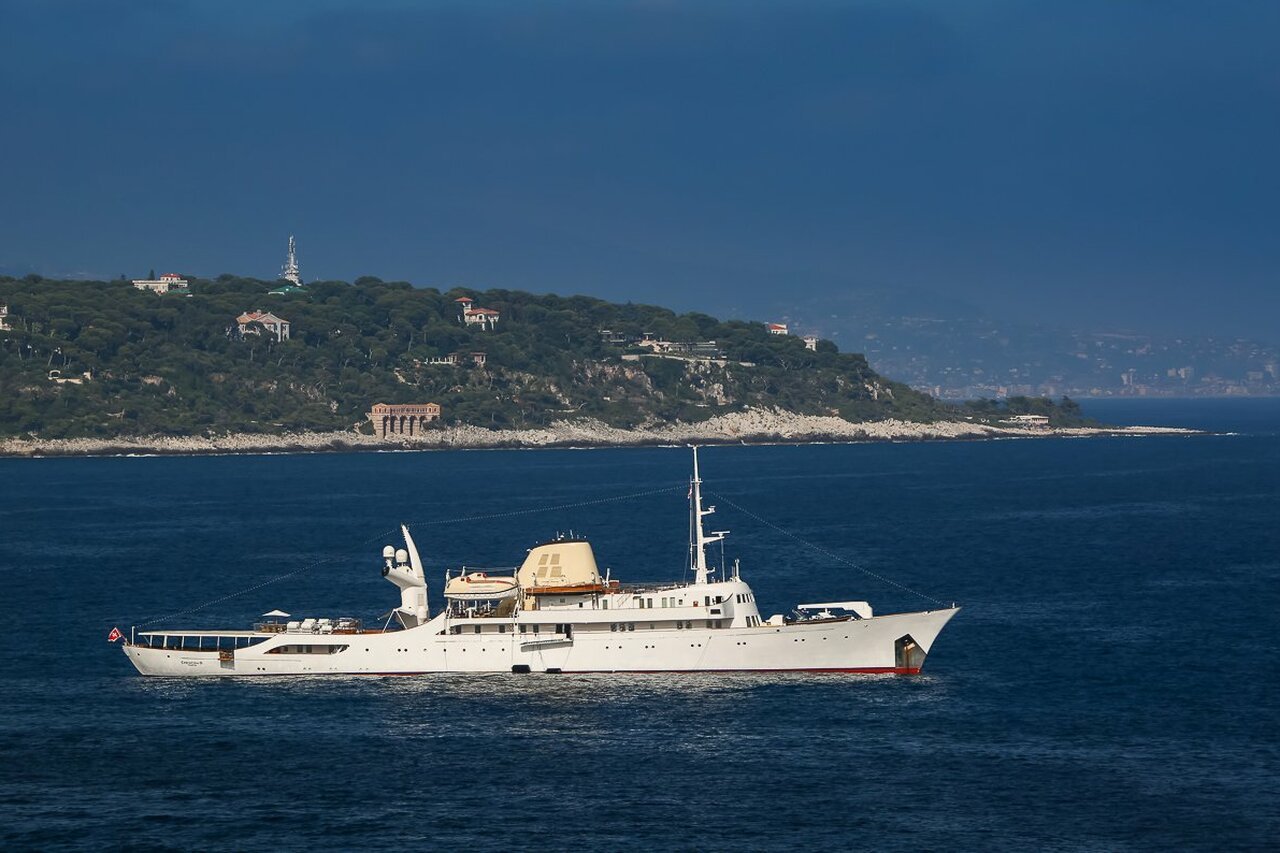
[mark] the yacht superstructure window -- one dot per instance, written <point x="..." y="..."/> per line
<point x="307" y="650"/>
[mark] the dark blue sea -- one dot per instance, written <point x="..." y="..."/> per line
<point x="1111" y="683"/>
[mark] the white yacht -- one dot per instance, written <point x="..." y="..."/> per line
<point x="557" y="614"/>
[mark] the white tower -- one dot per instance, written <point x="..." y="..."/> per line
<point x="289" y="272"/>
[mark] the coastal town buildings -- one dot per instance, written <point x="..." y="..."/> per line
<point x="811" y="342"/>
<point x="776" y="328"/>
<point x="405" y="419"/>
<point x="170" y="282"/>
<point x="4" y="319"/>
<point x="252" y="322"/>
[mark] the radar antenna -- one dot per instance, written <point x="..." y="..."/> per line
<point x="289" y="272"/>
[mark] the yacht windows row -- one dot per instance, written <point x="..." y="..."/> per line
<point x="679" y="624"/>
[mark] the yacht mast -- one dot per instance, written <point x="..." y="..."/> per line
<point x="698" y="539"/>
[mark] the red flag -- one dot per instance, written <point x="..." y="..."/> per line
<point x="114" y="635"/>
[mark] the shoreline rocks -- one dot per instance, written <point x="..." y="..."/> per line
<point x="747" y="427"/>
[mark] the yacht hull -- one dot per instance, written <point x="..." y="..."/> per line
<point x="896" y="643"/>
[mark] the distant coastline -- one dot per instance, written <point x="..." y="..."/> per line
<point x="749" y="427"/>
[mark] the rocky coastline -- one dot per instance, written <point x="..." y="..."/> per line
<point x="748" y="427"/>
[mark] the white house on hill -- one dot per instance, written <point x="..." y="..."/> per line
<point x="273" y="324"/>
<point x="170" y="282"/>
<point x="473" y="315"/>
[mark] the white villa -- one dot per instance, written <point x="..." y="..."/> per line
<point x="274" y="325"/>
<point x="472" y="315"/>
<point x="170" y="282"/>
<point x="1029" y="421"/>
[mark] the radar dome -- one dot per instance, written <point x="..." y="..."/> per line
<point x="402" y="556"/>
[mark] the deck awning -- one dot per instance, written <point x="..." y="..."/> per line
<point x="183" y="632"/>
<point x="278" y="613"/>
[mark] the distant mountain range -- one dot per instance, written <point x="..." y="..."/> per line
<point x="949" y="349"/>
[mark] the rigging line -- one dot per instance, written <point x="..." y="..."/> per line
<point x="532" y="510"/>
<point x="382" y="537"/>
<point x="825" y="552"/>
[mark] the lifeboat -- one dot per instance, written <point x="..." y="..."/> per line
<point x="478" y="586"/>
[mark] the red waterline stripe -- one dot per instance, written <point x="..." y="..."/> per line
<point x="868" y="670"/>
<point x="862" y="670"/>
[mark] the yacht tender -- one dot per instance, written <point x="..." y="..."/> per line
<point x="556" y="613"/>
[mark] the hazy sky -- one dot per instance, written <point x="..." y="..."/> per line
<point x="1106" y="163"/>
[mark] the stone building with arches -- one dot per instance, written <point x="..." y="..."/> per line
<point x="409" y="419"/>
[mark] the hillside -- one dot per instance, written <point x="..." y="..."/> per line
<point x="142" y="363"/>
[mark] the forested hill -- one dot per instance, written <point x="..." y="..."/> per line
<point x="141" y="363"/>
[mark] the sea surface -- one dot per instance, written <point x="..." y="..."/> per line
<point x="1111" y="683"/>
